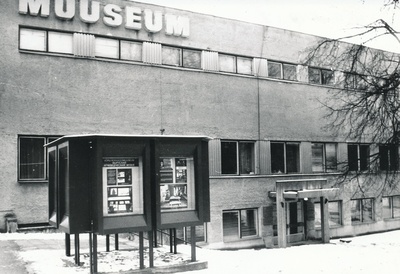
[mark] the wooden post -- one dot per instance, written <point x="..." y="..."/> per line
<point x="281" y="217"/>
<point x="175" y="242"/>
<point x="325" y="220"/>
<point x="116" y="242"/>
<point x="108" y="243"/>
<point x="151" y="250"/>
<point x="67" y="244"/>
<point x="77" y="249"/>
<point x="141" y="250"/>
<point x="91" y="252"/>
<point x="193" y="242"/>
<point x="170" y="240"/>
<point x="94" y="253"/>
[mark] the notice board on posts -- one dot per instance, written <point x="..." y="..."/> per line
<point x="121" y="183"/>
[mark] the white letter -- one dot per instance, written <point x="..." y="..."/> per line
<point x="152" y="24"/>
<point x="114" y="19"/>
<point x="133" y="18"/>
<point x="94" y="16"/>
<point x="177" y="25"/>
<point x="34" y="6"/>
<point x="69" y="12"/>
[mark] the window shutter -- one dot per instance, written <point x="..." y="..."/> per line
<point x="209" y="60"/>
<point x="84" y="45"/>
<point x="152" y="53"/>
<point x="214" y="152"/>
<point x="265" y="157"/>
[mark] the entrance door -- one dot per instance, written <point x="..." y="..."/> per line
<point x="295" y="222"/>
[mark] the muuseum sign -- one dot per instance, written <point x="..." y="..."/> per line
<point x="131" y="17"/>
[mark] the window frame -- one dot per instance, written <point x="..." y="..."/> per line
<point x="239" y="235"/>
<point x="322" y="79"/>
<point x="331" y="223"/>
<point x="324" y="157"/>
<point x="391" y="157"/>
<point x="361" y="162"/>
<point x="285" y="157"/>
<point x="47" y="139"/>
<point x="360" y="210"/>
<point x="238" y="157"/>
<point x="391" y="208"/>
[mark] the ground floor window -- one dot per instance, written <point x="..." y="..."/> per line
<point x="362" y="210"/>
<point x="32" y="160"/>
<point x="335" y="213"/>
<point x="239" y="224"/>
<point x="391" y="207"/>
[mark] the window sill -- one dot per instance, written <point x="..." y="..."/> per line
<point x="23" y="182"/>
<point x="391" y="219"/>
<point x="362" y="223"/>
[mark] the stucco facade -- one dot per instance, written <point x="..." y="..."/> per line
<point x="54" y="94"/>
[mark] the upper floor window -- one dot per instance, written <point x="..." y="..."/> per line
<point x="362" y="210"/>
<point x="191" y="59"/>
<point x="388" y="157"/>
<point x="282" y="71"/>
<point x="324" y="157"/>
<point x="285" y="157"/>
<point x="227" y="63"/>
<point x="358" y="157"/>
<point x="355" y="81"/>
<point x="237" y="157"/>
<point x="320" y="76"/>
<point x="244" y="65"/>
<point x="32" y="161"/>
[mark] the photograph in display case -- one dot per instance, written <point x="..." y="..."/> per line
<point x="123" y="186"/>
<point x="174" y="183"/>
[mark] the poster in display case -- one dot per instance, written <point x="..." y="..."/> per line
<point x="176" y="183"/>
<point x="122" y="181"/>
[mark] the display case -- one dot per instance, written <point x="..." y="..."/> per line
<point x="114" y="184"/>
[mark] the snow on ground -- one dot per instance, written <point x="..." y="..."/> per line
<point x="364" y="254"/>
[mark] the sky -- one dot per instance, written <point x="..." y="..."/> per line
<point x="329" y="18"/>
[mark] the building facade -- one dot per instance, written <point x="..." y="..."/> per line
<point x="123" y="67"/>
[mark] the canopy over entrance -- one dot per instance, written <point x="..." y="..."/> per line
<point x="290" y="190"/>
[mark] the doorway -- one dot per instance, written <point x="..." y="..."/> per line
<point x="295" y="221"/>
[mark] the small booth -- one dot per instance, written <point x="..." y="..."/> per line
<point x="110" y="184"/>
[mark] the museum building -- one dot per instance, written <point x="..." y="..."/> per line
<point x="127" y="68"/>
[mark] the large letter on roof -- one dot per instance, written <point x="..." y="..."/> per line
<point x="33" y="7"/>
<point x="176" y="25"/>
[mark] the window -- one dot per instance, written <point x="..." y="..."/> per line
<point x="171" y="56"/>
<point x="131" y="51"/>
<point x="285" y="157"/>
<point x="191" y="58"/>
<point x="362" y="210"/>
<point x="227" y="63"/>
<point x="108" y="48"/>
<point x="177" y="183"/>
<point x="244" y="65"/>
<point x="61" y="42"/>
<point x="274" y="70"/>
<point x="238" y="224"/>
<point x="335" y="213"/>
<point x="31" y="39"/>
<point x="320" y="76"/>
<point x="32" y="157"/>
<point x="237" y="157"/>
<point x="358" y="157"/>
<point x="388" y="157"/>
<point x="391" y="207"/>
<point x="289" y="72"/>
<point x="324" y="157"/>
<point x="282" y="71"/>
